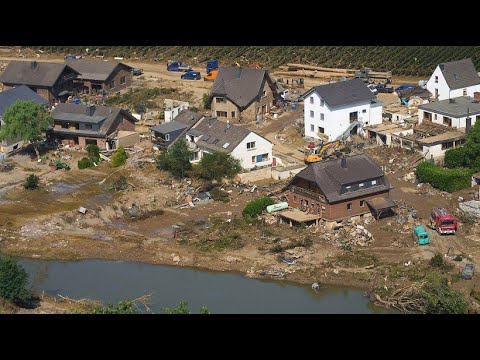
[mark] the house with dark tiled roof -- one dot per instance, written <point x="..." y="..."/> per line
<point x="242" y="94"/>
<point x="454" y="79"/>
<point x="52" y="81"/>
<point x="210" y="135"/>
<point x="167" y="133"/>
<point x="100" y="76"/>
<point x="339" y="110"/>
<point x="341" y="188"/>
<point x="7" y="99"/>
<point x="82" y="125"/>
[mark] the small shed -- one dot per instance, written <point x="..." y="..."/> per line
<point x="380" y="205"/>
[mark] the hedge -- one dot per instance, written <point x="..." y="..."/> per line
<point x="256" y="207"/>
<point x="442" y="178"/>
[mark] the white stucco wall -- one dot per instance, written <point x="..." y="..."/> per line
<point x="443" y="89"/>
<point x="262" y="146"/>
<point x="336" y="120"/>
<point x="460" y="122"/>
<point x="435" y="150"/>
<point x="172" y="113"/>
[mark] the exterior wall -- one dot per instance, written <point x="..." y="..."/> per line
<point x="336" y="120"/>
<point x="45" y="93"/>
<point x="115" y="76"/>
<point x="256" y="175"/>
<point x="173" y="135"/>
<point x="129" y="140"/>
<point x="172" y="114"/>
<point x="227" y="106"/>
<point x="7" y="149"/>
<point x="82" y="142"/>
<point x="125" y="124"/>
<point x="443" y="89"/>
<point x="436" y="152"/>
<point x="262" y="146"/>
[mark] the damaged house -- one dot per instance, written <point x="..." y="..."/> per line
<point x="83" y="125"/>
<point x="52" y="81"/>
<point x="242" y="93"/>
<point x="166" y="134"/>
<point x="341" y="188"/>
<point x="100" y="77"/>
<point x="209" y="135"/>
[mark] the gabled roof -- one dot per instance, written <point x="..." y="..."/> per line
<point x="330" y="176"/>
<point x="33" y="73"/>
<point x="188" y="117"/>
<point x="343" y="93"/>
<point x="218" y="137"/>
<point x="94" y="69"/>
<point x="168" y="127"/>
<point x="460" y="74"/>
<point x="240" y="85"/>
<point x="21" y="92"/>
<point x="103" y="115"/>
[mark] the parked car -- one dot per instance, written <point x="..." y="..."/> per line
<point x="191" y="75"/>
<point x="382" y="88"/>
<point x="372" y="88"/>
<point x="420" y="235"/>
<point x="468" y="271"/>
<point x="137" y="72"/>
<point x="404" y="87"/>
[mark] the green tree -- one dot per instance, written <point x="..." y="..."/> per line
<point x="217" y="166"/>
<point x="26" y="120"/>
<point x="119" y="157"/>
<point x="32" y="182"/>
<point x="206" y="100"/>
<point x="440" y="298"/>
<point x="182" y="308"/>
<point x="122" y="307"/>
<point x="256" y="207"/>
<point x="13" y="280"/>
<point x="93" y="152"/>
<point x="176" y="160"/>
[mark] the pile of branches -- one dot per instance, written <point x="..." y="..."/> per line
<point x="408" y="299"/>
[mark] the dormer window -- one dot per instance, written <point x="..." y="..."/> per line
<point x="374" y="182"/>
<point x="348" y="188"/>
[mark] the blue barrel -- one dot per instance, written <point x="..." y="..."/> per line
<point x="294" y="107"/>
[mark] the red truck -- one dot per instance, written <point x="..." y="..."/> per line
<point x="442" y="221"/>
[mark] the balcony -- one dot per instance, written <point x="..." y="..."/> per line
<point x="308" y="193"/>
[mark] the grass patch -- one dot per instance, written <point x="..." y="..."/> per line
<point x="357" y="259"/>
<point x="228" y="241"/>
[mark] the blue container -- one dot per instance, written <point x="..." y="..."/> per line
<point x="294" y="107"/>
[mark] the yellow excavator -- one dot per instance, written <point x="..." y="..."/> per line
<point x="315" y="153"/>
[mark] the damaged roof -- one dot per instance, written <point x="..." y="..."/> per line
<point x="22" y="92"/>
<point x="104" y="116"/>
<point x="460" y="74"/>
<point x="188" y="117"/>
<point x="330" y="176"/>
<point x="240" y="85"/>
<point x="94" y="69"/>
<point x="168" y="127"/>
<point x="457" y="107"/>
<point x="343" y="93"/>
<point x="33" y="73"/>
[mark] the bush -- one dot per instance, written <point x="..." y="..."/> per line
<point x="256" y="207"/>
<point x="217" y="166"/>
<point x="13" y="280"/>
<point x="455" y="157"/>
<point x="93" y="153"/>
<point x="84" y="163"/>
<point x="440" y="298"/>
<point x="119" y="157"/>
<point x="437" y="261"/>
<point x="219" y="195"/>
<point x="176" y="160"/>
<point x="32" y="182"/>
<point x="444" y="179"/>
<point x="206" y="100"/>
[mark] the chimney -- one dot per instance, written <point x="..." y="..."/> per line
<point x="227" y="126"/>
<point x="476" y="95"/>
<point x="33" y="65"/>
<point x="239" y="72"/>
<point x="210" y="121"/>
<point x="343" y="162"/>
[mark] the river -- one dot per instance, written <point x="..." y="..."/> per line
<point x="221" y="292"/>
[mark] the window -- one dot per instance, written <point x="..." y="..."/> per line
<point x="306" y="202"/>
<point x="447" y="121"/>
<point x="264" y="93"/>
<point x="219" y="100"/>
<point x="374" y="182"/>
<point x="447" y="145"/>
<point x="360" y="185"/>
<point x="167" y="137"/>
<point x="294" y="198"/>
<point x="311" y="99"/>
<point x="321" y="130"/>
<point x="312" y="113"/>
<point x="348" y="188"/>
<point x="436" y="79"/>
<point x="251" y="145"/>
<point x="435" y="116"/>
<point x="349" y="206"/>
<point x="90" y="142"/>
<point x="464" y="92"/>
<point x="194" y="156"/>
<point x="322" y="116"/>
<point x="123" y="80"/>
<point x="364" y="111"/>
<point x="221" y="114"/>
<point x="233" y="114"/>
<point x="112" y="84"/>
<point x="264" y="157"/>
<point x="65" y="125"/>
<point x="312" y="205"/>
<point x="322" y="102"/>
<point x="88" y="126"/>
<point x="312" y="128"/>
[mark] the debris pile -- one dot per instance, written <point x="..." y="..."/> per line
<point x="349" y="235"/>
<point x="471" y="207"/>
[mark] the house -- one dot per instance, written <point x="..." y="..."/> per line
<point x="52" y="81"/>
<point x="341" y="188"/>
<point x="209" y="135"/>
<point x="454" y="79"/>
<point x="165" y="134"/>
<point x="171" y="108"/>
<point x="102" y="77"/>
<point x="460" y="112"/>
<point x="242" y="93"/>
<point x="83" y="125"/>
<point x="7" y="98"/>
<point x="340" y="109"/>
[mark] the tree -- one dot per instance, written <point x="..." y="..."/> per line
<point x="176" y="160"/>
<point x="93" y="152"/>
<point x="217" y="166"/>
<point x="26" y="120"/>
<point x="32" y="182"/>
<point x="13" y="280"/>
<point x="182" y="308"/>
<point x="206" y="100"/>
<point x="119" y="157"/>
